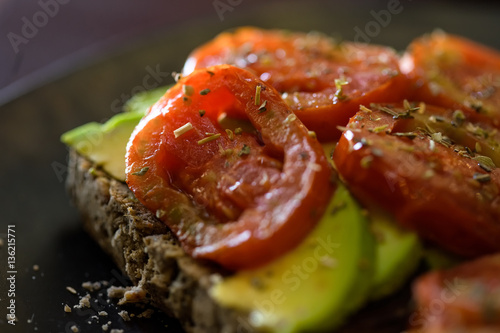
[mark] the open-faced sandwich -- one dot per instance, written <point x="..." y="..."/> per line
<point x="286" y="180"/>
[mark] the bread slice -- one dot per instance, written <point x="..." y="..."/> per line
<point x="148" y="252"/>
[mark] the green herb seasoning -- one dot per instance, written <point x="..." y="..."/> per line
<point x="244" y="151"/>
<point x="409" y="135"/>
<point x="262" y="107"/>
<point x="141" y="172"/>
<point x="366" y="161"/>
<point x="364" y="109"/>
<point x="379" y="129"/>
<point x="291" y="117"/>
<point x="209" y="138"/>
<point x="183" y="129"/>
<point x="481" y="177"/>
<point x="485" y="162"/>
<point x="187" y="90"/>
<point x="230" y="134"/>
<point x="339" y="84"/>
<point x="258" y="88"/>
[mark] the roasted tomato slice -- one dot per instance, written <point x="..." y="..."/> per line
<point x="323" y="81"/>
<point x="239" y="199"/>
<point x="432" y="168"/>
<point x="465" y="298"/>
<point x="456" y="73"/>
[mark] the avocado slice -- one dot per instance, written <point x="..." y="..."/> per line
<point x="105" y="144"/>
<point x="398" y="253"/>
<point x="315" y="286"/>
<point x="144" y="99"/>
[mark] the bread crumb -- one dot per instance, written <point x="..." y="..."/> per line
<point x="124" y="315"/>
<point x="84" y="302"/>
<point x="87" y="285"/>
<point x="115" y="330"/>
<point x="102" y="313"/>
<point x="146" y="314"/>
<point x="105" y="327"/>
<point x="71" y="290"/>
<point x="67" y="308"/>
<point x="133" y="295"/>
<point x="74" y="329"/>
<point x="91" y="286"/>
<point x="36" y="268"/>
<point x="116" y="292"/>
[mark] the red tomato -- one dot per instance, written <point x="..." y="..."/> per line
<point x="432" y="168"/>
<point x="323" y="81"/>
<point x="456" y="73"/>
<point x="238" y="199"/>
<point x="462" y="299"/>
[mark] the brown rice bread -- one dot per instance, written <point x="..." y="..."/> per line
<point x="146" y="250"/>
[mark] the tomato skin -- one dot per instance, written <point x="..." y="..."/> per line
<point x="429" y="190"/>
<point x="468" y="297"/>
<point x="305" y="68"/>
<point x="456" y="73"/>
<point x="231" y="200"/>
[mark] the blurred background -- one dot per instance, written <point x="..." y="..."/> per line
<point x="67" y="62"/>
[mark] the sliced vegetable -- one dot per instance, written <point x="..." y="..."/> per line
<point x="142" y="101"/>
<point x="323" y="81"/>
<point x="437" y="177"/>
<point x="398" y="253"/>
<point x="317" y="284"/>
<point x="456" y="73"/>
<point x="465" y="298"/>
<point x="105" y="144"/>
<point x="240" y="200"/>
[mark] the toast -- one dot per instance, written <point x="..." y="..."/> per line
<point x="148" y="252"/>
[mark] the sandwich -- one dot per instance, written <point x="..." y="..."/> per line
<point x="286" y="180"/>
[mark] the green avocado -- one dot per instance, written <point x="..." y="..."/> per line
<point x="398" y="252"/>
<point x="143" y="100"/>
<point x="105" y="144"/>
<point x="315" y="286"/>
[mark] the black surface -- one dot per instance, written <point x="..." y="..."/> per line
<point x="33" y="162"/>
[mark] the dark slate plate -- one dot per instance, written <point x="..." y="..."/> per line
<point x="33" y="163"/>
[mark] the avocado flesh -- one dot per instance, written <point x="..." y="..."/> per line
<point x="398" y="251"/>
<point x="398" y="255"/>
<point x="315" y="286"/>
<point x="144" y="100"/>
<point x="105" y="144"/>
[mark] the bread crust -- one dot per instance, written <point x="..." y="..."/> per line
<point x="148" y="252"/>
